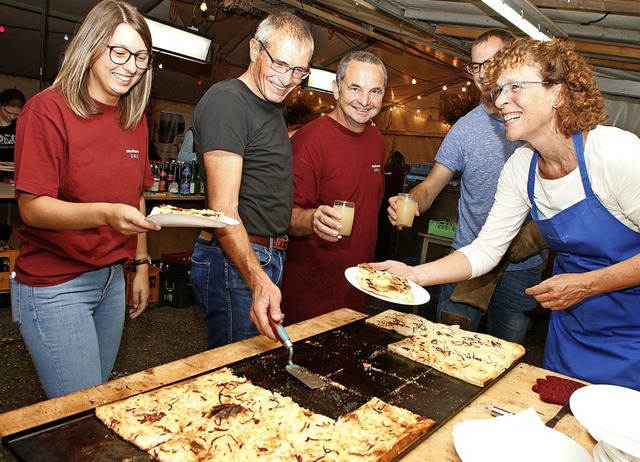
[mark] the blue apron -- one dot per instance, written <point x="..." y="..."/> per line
<point x="598" y="339"/>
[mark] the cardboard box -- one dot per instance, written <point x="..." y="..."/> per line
<point x="154" y="285"/>
<point x="7" y="263"/>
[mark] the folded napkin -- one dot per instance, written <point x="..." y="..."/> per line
<point x="521" y="437"/>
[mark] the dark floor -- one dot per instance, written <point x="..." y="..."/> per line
<point x="162" y="334"/>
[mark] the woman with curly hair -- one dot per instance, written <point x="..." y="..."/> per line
<point x="581" y="183"/>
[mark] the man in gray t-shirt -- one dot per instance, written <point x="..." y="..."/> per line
<point x="244" y="154"/>
<point x="476" y="146"/>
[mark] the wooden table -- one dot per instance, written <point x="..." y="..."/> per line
<point x="9" y="211"/>
<point x="432" y="239"/>
<point x="7" y="191"/>
<point x="512" y="392"/>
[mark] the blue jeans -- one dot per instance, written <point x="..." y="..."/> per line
<point x="510" y="313"/>
<point x="72" y="330"/>
<point x="222" y="292"/>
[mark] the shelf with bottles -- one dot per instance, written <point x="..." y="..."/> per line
<point x="175" y="178"/>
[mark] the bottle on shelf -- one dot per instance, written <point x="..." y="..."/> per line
<point x="162" y="175"/>
<point x="193" y="178"/>
<point x="156" y="177"/>
<point x="185" y="185"/>
<point x="173" y="176"/>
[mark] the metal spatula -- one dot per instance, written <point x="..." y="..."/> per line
<point x="303" y="374"/>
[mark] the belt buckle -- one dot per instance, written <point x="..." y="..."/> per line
<point x="281" y="242"/>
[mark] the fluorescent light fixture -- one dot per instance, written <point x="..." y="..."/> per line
<point x="516" y="19"/>
<point x="319" y="80"/>
<point x="182" y="43"/>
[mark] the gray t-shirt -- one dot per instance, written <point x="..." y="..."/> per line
<point x="230" y="117"/>
<point x="476" y="146"/>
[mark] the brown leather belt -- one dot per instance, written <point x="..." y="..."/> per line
<point x="277" y="243"/>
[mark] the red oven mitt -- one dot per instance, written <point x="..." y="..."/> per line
<point x="556" y="390"/>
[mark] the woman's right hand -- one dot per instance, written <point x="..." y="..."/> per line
<point x="129" y="220"/>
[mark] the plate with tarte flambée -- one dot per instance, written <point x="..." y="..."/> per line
<point x="171" y="216"/>
<point x="386" y="286"/>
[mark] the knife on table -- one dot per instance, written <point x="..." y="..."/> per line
<point x="496" y="411"/>
<point x="559" y="415"/>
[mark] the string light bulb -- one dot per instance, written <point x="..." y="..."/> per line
<point x="444" y="88"/>
<point x="413" y="80"/>
<point x="66" y="37"/>
<point x="2" y="29"/>
<point x="419" y="96"/>
<point x="203" y="7"/>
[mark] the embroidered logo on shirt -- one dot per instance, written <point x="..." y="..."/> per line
<point x="134" y="153"/>
<point x="376" y="168"/>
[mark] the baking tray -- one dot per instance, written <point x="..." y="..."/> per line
<point x="352" y="358"/>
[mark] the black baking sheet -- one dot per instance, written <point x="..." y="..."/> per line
<point x="353" y="359"/>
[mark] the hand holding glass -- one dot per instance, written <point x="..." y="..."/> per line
<point x="407" y="206"/>
<point x="346" y="209"/>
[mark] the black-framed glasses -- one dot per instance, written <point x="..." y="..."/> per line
<point x="512" y="88"/>
<point x="474" y="68"/>
<point x="282" y="68"/>
<point x="120" y="55"/>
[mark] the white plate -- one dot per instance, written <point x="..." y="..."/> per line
<point x="189" y="221"/>
<point x="7" y="168"/>
<point x="610" y="414"/>
<point x="420" y="295"/>
<point x="600" y="454"/>
<point x="603" y="452"/>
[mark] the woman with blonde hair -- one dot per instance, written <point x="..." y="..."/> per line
<point x="580" y="181"/>
<point x="81" y="169"/>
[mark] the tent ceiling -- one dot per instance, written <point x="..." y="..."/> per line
<point x="426" y="39"/>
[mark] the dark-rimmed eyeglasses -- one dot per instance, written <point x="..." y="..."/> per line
<point x="120" y="55"/>
<point x="473" y="68"/>
<point x="512" y="88"/>
<point x="282" y="68"/>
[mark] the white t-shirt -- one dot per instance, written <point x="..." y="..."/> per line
<point x="612" y="156"/>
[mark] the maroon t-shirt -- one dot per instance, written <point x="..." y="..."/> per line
<point x="331" y="163"/>
<point x="61" y="155"/>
